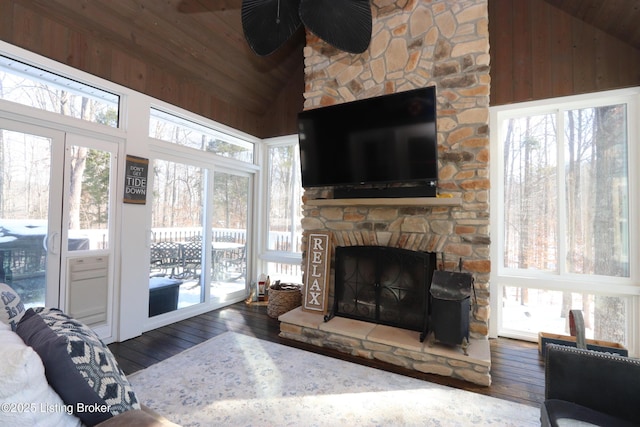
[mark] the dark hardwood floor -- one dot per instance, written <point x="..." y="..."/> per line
<point x="517" y="370"/>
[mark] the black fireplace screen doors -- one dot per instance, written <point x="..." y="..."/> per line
<point x="388" y="286"/>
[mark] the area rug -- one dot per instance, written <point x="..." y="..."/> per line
<point x="237" y="380"/>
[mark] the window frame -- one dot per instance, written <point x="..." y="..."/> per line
<point x="501" y="276"/>
<point x="210" y="162"/>
<point x="267" y="255"/>
<point x="16" y="67"/>
<point x="214" y="130"/>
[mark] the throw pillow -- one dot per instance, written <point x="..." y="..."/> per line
<point x="26" y="399"/>
<point x="12" y="307"/>
<point x="79" y="367"/>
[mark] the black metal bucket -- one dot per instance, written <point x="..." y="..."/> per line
<point x="450" y="307"/>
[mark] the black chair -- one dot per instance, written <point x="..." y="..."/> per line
<point x="590" y="387"/>
<point x="191" y="260"/>
<point x="235" y="263"/>
<point x="165" y="258"/>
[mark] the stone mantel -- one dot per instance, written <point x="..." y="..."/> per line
<point x="391" y="201"/>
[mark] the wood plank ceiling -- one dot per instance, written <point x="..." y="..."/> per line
<point x="202" y="40"/>
<point x="618" y="18"/>
<point x="199" y="40"/>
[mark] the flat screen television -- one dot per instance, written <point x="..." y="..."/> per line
<point x="371" y="145"/>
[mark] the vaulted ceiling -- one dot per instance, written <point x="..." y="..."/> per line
<point x="618" y="18"/>
<point x="202" y="40"/>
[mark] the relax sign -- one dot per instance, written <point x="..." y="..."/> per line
<point x="316" y="275"/>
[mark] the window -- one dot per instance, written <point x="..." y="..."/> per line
<point x="284" y="213"/>
<point x="89" y="197"/>
<point x="202" y="230"/>
<point x="552" y="220"/>
<point x="35" y="87"/>
<point x="171" y="128"/>
<point x="563" y="209"/>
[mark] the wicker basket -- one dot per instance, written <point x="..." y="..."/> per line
<point x="282" y="298"/>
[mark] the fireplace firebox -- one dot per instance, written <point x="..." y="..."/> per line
<point x="383" y="285"/>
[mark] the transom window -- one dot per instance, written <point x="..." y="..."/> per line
<point x="34" y="87"/>
<point x="171" y="128"/>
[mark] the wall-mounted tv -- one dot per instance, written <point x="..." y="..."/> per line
<point x="372" y="143"/>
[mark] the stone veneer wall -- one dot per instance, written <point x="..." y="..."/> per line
<point x="417" y="43"/>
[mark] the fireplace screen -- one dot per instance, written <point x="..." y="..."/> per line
<point x="388" y="286"/>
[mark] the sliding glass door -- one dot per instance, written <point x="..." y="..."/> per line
<point x="30" y="211"/>
<point x="229" y="237"/>
<point x="187" y="264"/>
<point x="176" y="252"/>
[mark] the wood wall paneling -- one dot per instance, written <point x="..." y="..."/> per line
<point x="282" y="119"/>
<point x="26" y="31"/>
<point x="501" y="51"/>
<point x="561" y="54"/>
<point x="132" y="71"/>
<point x="523" y="67"/>
<point x="540" y="48"/>
<point x="538" y="51"/>
<point x="583" y="49"/>
<point x="6" y="18"/>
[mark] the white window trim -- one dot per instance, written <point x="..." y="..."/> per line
<point x="216" y="129"/>
<point x="211" y="162"/>
<point x="500" y="276"/>
<point x="265" y="255"/>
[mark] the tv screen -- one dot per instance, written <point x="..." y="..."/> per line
<point x="381" y="140"/>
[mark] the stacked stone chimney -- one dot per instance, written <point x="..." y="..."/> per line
<point x="418" y="43"/>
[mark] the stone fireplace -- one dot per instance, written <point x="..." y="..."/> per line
<point x="417" y="225"/>
<point x="416" y="44"/>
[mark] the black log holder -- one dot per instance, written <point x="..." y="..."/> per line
<point x="450" y="307"/>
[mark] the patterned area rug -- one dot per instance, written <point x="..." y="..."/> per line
<point x="237" y="380"/>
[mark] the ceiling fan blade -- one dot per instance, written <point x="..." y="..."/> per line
<point x="268" y="24"/>
<point x="345" y="24"/>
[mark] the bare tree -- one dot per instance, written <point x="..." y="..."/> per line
<point x="609" y="144"/>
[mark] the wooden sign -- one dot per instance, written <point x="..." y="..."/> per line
<point x="316" y="276"/>
<point x="135" y="180"/>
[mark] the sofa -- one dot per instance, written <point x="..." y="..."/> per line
<point x="585" y="387"/>
<point x="56" y="371"/>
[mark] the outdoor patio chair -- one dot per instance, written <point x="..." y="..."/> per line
<point x="191" y="260"/>
<point x="165" y="258"/>
<point x="235" y="263"/>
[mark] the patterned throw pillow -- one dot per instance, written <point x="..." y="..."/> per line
<point x="12" y="307"/>
<point x="79" y="367"/>
<point x="25" y="395"/>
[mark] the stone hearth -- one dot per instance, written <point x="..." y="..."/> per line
<point x="399" y="347"/>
